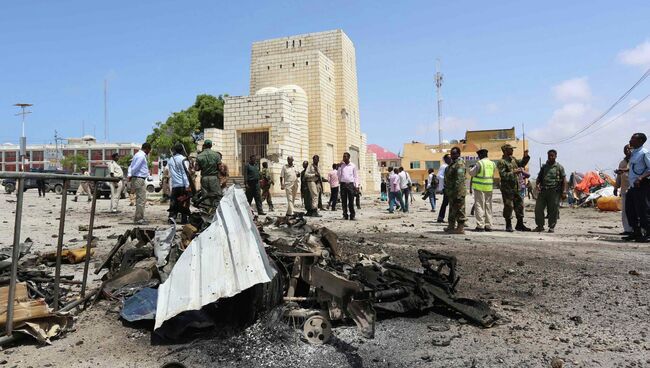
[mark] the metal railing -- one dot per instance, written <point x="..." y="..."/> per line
<point x="20" y="181"/>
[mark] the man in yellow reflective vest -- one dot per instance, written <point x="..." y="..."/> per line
<point x="482" y="183"/>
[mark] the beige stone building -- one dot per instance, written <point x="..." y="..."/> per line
<point x="303" y="101"/>
<point x="418" y="158"/>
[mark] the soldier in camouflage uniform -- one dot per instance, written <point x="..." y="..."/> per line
<point x="551" y="185"/>
<point x="508" y="168"/>
<point x="456" y="191"/>
<point x="208" y="162"/>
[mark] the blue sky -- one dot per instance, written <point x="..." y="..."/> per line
<point x="551" y="65"/>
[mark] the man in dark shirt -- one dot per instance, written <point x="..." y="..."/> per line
<point x="304" y="189"/>
<point x="551" y="185"/>
<point x="252" y="180"/>
<point x="208" y="162"/>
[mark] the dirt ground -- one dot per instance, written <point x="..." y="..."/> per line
<point x="580" y="295"/>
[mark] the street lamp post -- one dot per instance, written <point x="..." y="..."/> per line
<point x="23" y="139"/>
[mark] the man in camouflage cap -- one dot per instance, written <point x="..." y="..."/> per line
<point x="509" y="167"/>
<point x="456" y="191"/>
<point x="551" y="185"/>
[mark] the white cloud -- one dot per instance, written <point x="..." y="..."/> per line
<point x="643" y="107"/>
<point x="452" y="128"/>
<point x="638" y="56"/>
<point x="571" y="90"/>
<point x="601" y="149"/>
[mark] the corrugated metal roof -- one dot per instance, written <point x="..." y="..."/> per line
<point x="225" y="259"/>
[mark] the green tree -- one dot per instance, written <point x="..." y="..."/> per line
<point x="125" y="161"/>
<point x="74" y="162"/>
<point x="182" y="126"/>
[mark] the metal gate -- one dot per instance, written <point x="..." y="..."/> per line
<point x="253" y="143"/>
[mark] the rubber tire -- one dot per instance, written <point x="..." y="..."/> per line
<point x="58" y="189"/>
<point x="9" y="188"/>
<point x="150" y="188"/>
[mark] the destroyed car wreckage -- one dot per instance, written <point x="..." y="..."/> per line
<point x="183" y="279"/>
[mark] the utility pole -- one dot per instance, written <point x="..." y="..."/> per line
<point x="105" y="110"/>
<point x="23" y="139"/>
<point x="58" y="155"/>
<point x="523" y="130"/>
<point x="438" y="95"/>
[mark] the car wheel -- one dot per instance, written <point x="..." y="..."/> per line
<point x="9" y="188"/>
<point x="150" y="188"/>
<point x="58" y="189"/>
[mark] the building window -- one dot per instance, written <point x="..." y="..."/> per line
<point x="287" y="44"/>
<point x="432" y="165"/>
<point x="280" y="66"/>
<point x="299" y="43"/>
<point x="306" y="62"/>
<point x="383" y="164"/>
<point x="293" y="65"/>
<point x="125" y="152"/>
<point x="415" y="164"/>
<point x="37" y="155"/>
<point x="293" y="43"/>
<point x="10" y="156"/>
<point x="268" y="67"/>
<point x="96" y="155"/>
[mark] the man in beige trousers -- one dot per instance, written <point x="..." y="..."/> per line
<point x="289" y="182"/>
<point x="482" y="184"/>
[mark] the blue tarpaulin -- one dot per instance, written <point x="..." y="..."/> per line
<point x="141" y="305"/>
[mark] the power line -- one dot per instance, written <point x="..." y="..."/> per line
<point x="605" y="124"/>
<point x="601" y="116"/>
<point x="616" y="118"/>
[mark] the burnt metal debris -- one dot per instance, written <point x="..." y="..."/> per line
<point x="318" y="283"/>
<point x="314" y="285"/>
<point x="311" y="281"/>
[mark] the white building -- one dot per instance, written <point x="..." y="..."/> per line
<point x="48" y="156"/>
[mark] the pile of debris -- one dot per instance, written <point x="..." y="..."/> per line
<point x="37" y="299"/>
<point x="233" y="268"/>
<point x="594" y="189"/>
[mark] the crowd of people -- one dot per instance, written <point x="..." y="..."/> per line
<point x="632" y="184"/>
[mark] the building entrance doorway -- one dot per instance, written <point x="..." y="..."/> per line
<point x="253" y="143"/>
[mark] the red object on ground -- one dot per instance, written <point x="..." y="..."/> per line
<point x="590" y="179"/>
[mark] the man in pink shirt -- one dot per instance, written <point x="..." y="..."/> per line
<point x="394" y="191"/>
<point x="349" y="184"/>
<point x="333" y="180"/>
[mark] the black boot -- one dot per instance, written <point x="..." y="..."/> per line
<point x="520" y="225"/>
<point x="636" y="234"/>
<point x="509" y="225"/>
<point x="645" y="237"/>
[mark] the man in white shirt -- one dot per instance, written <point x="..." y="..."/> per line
<point x="179" y="184"/>
<point x="115" y="171"/>
<point x="349" y="184"/>
<point x="137" y="176"/>
<point x="441" y="187"/>
<point x="405" y="186"/>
